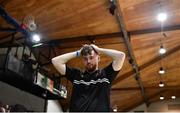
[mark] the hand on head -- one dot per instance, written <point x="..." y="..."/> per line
<point x="93" y="46"/>
<point x="97" y="49"/>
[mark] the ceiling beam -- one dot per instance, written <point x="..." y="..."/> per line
<point x="7" y="36"/>
<point x="88" y="38"/>
<point x="13" y="22"/>
<point x="155" y="30"/>
<point x="7" y="29"/>
<point x="120" y="20"/>
<point x="146" y="88"/>
<point x="15" y="43"/>
<point x="147" y="64"/>
<point x="116" y="34"/>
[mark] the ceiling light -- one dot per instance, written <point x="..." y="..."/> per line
<point x="161" y="84"/>
<point x="162" y="50"/>
<point x="161" y="98"/>
<point x="36" y="37"/>
<point x="115" y="109"/>
<point x="161" y="70"/>
<point x="36" y="45"/>
<point x="161" y="17"/>
<point x="173" y="97"/>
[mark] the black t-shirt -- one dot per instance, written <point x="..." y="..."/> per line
<point x="91" y="91"/>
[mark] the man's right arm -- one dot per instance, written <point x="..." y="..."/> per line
<point x="59" y="62"/>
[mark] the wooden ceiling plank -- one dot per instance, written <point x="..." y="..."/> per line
<point x="147" y="64"/>
<point x="141" y="102"/>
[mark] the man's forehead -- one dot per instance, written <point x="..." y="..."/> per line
<point x="91" y="54"/>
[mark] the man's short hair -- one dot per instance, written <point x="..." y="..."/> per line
<point x="87" y="49"/>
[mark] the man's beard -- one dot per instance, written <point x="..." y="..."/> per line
<point x="91" y="68"/>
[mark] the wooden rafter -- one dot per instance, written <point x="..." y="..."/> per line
<point x="120" y="20"/>
<point x="148" y="88"/>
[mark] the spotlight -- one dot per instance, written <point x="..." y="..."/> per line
<point x="36" y="37"/>
<point x="162" y="50"/>
<point x="173" y="97"/>
<point x="112" y="7"/>
<point x="115" y="108"/>
<point x="161" y="84"/>
<point x="161" y="70"/>
<point x="161" y="17"/>
<point x="161" y="98"/>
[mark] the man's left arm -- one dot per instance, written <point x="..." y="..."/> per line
<point x="118" y="56"/>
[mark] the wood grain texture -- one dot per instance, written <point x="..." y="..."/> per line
<point x="73" y="23"/>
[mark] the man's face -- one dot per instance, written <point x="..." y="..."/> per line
<point x="91" y="61"/>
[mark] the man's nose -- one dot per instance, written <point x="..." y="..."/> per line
<point x="88" y="60"/>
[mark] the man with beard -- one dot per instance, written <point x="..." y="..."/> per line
<point x="91" y="88"/>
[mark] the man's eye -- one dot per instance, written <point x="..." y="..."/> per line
<point x="91" y="57"/>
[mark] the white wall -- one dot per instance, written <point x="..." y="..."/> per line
<point x="19" y="51"/>
<point x="53" y="106"/>
<point x="161" y="106"/>
<point x="11" y="95"/>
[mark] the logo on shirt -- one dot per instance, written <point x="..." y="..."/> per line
<point x="92" y="81"/>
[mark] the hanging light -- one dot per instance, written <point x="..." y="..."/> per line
<point x="161" y="84"/>
<point x="161" y="70"/>
<point x="115" y="108"/>
<point x="161" y="98"/>
<point x="162" y="50"/>
<point x="173" y="97"/>
<point x="161" y="17"/>
<point x="36" y="37"/>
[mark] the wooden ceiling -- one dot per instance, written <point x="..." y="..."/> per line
<point x="72" y="23"/>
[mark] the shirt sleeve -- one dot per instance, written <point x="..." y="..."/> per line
<point x="110" y="72"/>
<point x="71" y="73"/>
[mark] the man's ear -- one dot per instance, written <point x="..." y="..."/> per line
<point x="98" y="58"/>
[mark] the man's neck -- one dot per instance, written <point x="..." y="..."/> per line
<point x="90" y="72"/>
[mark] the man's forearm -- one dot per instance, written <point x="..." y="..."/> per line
<point x="65" y="57"/>
<point x="118" y="56"/>
<point x="112" y="53"/>
<point x="60" y="61"/>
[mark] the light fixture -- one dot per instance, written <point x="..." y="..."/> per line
<point x="115" y="109"/>
<point x="173" y="97"/>
<point x="161" y="84"/>
<point x="162" y="50"/>
<point x="112" y="7"/>
<point x="161" y="17"/>
<point x="161" y="98"/>
<point x="36" y="37"/>
<point x="36" y="45"/>
<point x="161" y="70"/>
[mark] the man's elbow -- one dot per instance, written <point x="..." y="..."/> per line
<point x="122" y="56"/>
<point x="53" y="61"/>
<point x="122" y="59"/>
